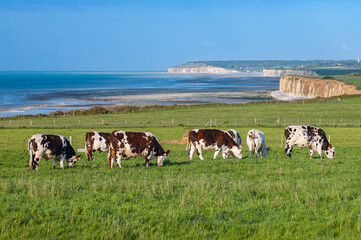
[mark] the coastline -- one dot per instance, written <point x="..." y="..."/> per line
<point x="66" y="91"/>
<point x="141" y="100"/>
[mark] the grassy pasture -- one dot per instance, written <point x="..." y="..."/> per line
<point x="272" y="198"/>
<point x="268" y="198"/>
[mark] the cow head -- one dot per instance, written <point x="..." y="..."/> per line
<point x="236" y="151"/>
<point x="330" y="152"/>
<point x="265" y="151"/>
<point x="161" y="158"/>
<point x="73" y="160"/>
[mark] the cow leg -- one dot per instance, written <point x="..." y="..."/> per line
<point x="91" y="155"/>
<point x="319" y="151"/>
<point x="191" y="151"/>
<point x="224" y="155"/>
<point x="146" y="161"/>
<point x="62" y="163"/>
<point x="54" y="163"/>
<point x="36" y="161"/>
<point x="118" y="159"/>
<point x="111" y="156"/>
<point x="288" y="151"/>
<point x="251" y="153"/>
<point x="111" y="161"/>
<point x="199" y="152"/>
<point x="311" y="152"/>
<point x="32" y="156"/>
<point x="216" y="152"/>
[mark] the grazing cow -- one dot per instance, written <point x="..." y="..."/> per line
<point x="256" y="143"/>
<point x="96" y="141"/>
<point x="51" y="146"/>
<point x="207" y="139"/>
<point x="235" y="135"/>
<point x="133" y="144"/>
<point x="308" y="136"/>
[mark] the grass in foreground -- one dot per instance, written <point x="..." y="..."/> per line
<point x="268" y="198"/>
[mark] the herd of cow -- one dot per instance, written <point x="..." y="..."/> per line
<point x="120" y="144"/>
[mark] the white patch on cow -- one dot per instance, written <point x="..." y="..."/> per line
<point x="195" y="130"/>
<point x="99" y="145"/>
<point x="237" y="151"/>
<point x="237" y="137"/>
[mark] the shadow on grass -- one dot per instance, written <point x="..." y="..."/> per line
<point x="165" y="163"/>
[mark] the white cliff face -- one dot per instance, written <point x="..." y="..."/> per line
<point x="200" y="69"/>
<point x="281" y="72"/>
<point x="297" y="86"/>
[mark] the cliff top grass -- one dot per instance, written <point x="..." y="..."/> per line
<point x="351" y="79"/>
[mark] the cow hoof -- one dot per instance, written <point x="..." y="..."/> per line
<point x="62" y="169"/>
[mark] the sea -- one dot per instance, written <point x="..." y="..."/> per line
<point x="23" y="93"/>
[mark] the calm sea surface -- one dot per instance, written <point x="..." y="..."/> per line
<point x="44" y="92"/>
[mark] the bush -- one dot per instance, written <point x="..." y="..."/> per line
<point x="328" y="77"/>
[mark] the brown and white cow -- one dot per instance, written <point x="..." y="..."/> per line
<point x="207" y="139"/>
<point x="96" y="141"/>
<point x="308" y="136"/>
<point x="56" y="147"/>
<point x="256" y="142"/>
<point x="133" y="144"/>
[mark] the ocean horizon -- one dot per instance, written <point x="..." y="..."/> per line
<point x="44" y="92"/>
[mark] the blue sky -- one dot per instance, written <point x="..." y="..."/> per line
<point x="81" y="35"/>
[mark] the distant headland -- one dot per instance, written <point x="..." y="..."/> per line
<point x="267" y="68"/>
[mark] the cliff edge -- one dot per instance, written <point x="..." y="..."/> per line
<point x="298" y="86"/>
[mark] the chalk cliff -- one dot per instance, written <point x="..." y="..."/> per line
<point x="298" y="86"/>
<point x="199" y="68"/>
<point x="270" y="72"/>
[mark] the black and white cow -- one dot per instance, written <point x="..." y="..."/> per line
<point x="133" y="144"/>
<point x="308" y="136"/>
<point x="207" y="139"/>
<point x="54" y="147"/>
<point x="96" y="141"/>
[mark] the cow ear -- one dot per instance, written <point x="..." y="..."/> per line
<point x="240" y="146"/>
<point x="329" y="146"/>
<point x="167" y="153"/>
<point x="78" y="156"/>
<point x="269" y="148"/>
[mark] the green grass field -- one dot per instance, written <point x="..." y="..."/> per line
<point x="344" y="112"/>
<point x="272" y="198"/>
